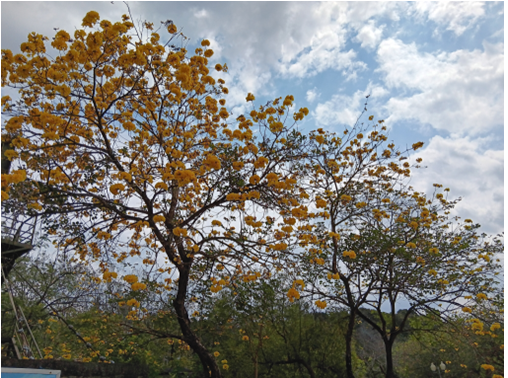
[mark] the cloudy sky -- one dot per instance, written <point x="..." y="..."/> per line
<point x="435" y="72"/>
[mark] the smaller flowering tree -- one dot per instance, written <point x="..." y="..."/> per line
<point x="405" y="248"/>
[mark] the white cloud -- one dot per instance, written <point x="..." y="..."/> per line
<point x="201" y="13"/>
<point x="311" y="95"/>
<point x="343" y="109"/>
<point x="320" y="59"/>
<point x="455" y="16"/>
<point x="369" y="35"/>
<point x="470" y="171"/>
<point x="461" y="92"/>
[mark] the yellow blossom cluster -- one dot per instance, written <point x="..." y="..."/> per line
<point x="131" y="278"/>
<point x="181" y="232"/>
<point x="12" y="178"/>
<point x="293" y="292"/>
<point x="115" y="189"/>
<point x="107" y="276"/>
<point x="185" y="176"/>
<point x="212" y="162"/>
<point x="350" y="254"/>
<point x="138" y="286"/>
<point x="133" y="303"/>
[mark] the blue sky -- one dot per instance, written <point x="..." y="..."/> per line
<point x="435" y="72"/>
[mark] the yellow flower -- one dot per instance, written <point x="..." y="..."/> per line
<point x="225" y="366"/>
<point x="10" y="154"/>
<point x="245" y="338"/>
<point x="133" y="303"/>
<point x="205" y="42"/>
<point x="292" y="294"/>
<point x="495" y="326"/>
<point x="177" y="231"/>
<point x="260" y="162"/>
<point x="125" y="176"/>
<point x="184" y="176"/>
<point x="238" y="165"/>
<point x="288" y="101"/>
<point x="161" y="185"/>
<point x="172" y="29"/>
<point x="254" y="179"/>
<point x="345" y="198"/>
<point x="116" y="188"/>
<point x="212" y="161"/>
<point x="108" y="275"/>
<point x="319" y="261"/>
<point x="138" y="286"/>
<point x="129" y="126"/>
<point x="466" y="309"/>
<point x="250" y="97"/>
<point x="487" y="367"/>
<point x="299" y="282"/>
<point x="350" y="254"/>
<point x="159" y="218"/>
<point x="216" y="354"/>
<point x="90" y="19"/>
<point x="5" y="196"/>
<point x="131" y="278"/>
<point x="320" y="304"/>
<point x="481" y="296"/>
<point x="320" y="203"/>
<point x="224" y="361"/>
<point x="417" y="145"/>
<point x="280" y="247"/>
<point x="234" y="197"/>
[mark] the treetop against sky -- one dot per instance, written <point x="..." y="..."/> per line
<point x="434" y="72"/>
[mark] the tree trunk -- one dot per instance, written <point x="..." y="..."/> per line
<point x="308" y="367"/>
<point x="211" y="369"/>
<point x="349" y="346"/>
<point x="389" y="358"/>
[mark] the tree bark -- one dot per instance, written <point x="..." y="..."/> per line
<point x="210" y="367"/>
<point x="349" y="346"/>
<point x="389" y="358"/>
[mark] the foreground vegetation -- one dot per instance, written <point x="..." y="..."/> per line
<point x="252" y="331"/>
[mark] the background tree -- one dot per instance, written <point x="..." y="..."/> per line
<point x="346" y="172"/>
<point x="405" y="249"/>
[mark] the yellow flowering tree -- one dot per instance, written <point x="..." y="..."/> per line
<point x="390" y="244"/>
<point x="345" y="171"/>
<point x="128" y="143"/>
